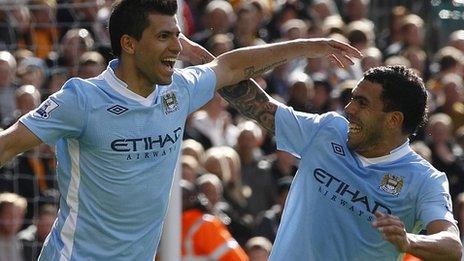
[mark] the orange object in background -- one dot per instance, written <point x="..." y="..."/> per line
<point x="409" y="257"/>
<point x="205" y="236"/>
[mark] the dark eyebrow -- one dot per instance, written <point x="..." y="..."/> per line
<point x="360" y="98"/>
<point x="176" y="32"/>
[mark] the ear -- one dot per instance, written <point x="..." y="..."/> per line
<point x="395" y="120"/>
<point x="128" y="44"/>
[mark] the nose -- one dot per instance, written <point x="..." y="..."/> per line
<point x="349" y="108"/>
<point x="176" y="46"/>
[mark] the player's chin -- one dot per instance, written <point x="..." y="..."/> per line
<point x="166" y="80"/>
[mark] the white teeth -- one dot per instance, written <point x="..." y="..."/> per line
<point x="169" y="60"/>
<point x="354" y="128"/>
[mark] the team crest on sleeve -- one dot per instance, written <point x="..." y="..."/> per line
<point x="392" y="184"/>
<point x="170" y="103"/>
<point x="45" y="110"/>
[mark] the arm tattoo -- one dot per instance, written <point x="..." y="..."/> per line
<point x="251" y="101"/>
<point x="252" y="71"/>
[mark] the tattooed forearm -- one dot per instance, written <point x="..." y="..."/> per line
<point x="252" y="71"/>
<point x="251" y="101"/>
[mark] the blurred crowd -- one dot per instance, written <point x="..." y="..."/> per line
<point x="230" y="166"/>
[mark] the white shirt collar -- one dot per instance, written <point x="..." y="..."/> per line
<point x="121" y="87"/>
<point x="395" y="154"/>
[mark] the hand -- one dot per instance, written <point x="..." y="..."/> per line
<point x="337" y="52"/>
<point x="193" y="52"/>
<point x="392" y="230"/>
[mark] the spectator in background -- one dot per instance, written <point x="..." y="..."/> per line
<point x="204" y="235"/>
<point x="57" y="77"/>
<point x="417" y="58"/>
<point x="444" y="151"/>
<point x="256" y="172"/>
<point x="45" y="33"/>
<point x="7" y="89"/>
<point x="300" y="91"/>
<point x="12" y="210"/>
<point x="18" y="32"/>
<point x="194" y="148"/>
<point x="267" y="222"/>
<point x="220" y="43"/>
<point x="190" y="168"/>
<point x="422" y="149"/>
<point x="214" y="122"/>
<point x="320" y="10"/>
<point x="283" y="164"/>
<point x="392" y="34"/>
<point x="246" y="26"/>
<point x="27" y="99"/>
<point x="91" y="64"/>
<point x="356" y="10"/>
<point x="456" y="40"/>
<point x="33" y="237"/>
<point x="32" y="71"/>
<point x="412" y="34"/>
<point x="35" y="168"/>
<point x="72" y="46"/>
<point x="219" y="17"/>
<point x="321" y="98"/>
<point x="452" y="99"/>
<point x="258" y="248"/>
<point x="224" y="162"/>
<point x="211" y="187"/>
<point x="372" y="57"/>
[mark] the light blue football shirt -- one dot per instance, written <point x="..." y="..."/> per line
<point x="330" y="206"/>
<point x="116" y="155"/>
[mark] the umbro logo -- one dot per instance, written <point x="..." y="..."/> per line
<point x="117" y="109"/>
<point x="338" y="149"/>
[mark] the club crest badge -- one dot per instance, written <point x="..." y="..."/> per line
<point x="392" y="184"/>
<point x="170" y="103"/>
<point x="45" y="110"/>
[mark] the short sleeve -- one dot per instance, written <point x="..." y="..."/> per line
<point x="434" y="202"/>
<point x="295" y="130"/>
<point x="62" y="115"/>
<point x="201" y="84"/>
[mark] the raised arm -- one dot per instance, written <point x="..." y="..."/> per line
<point x="241" y="64"/>
<point x="14" y="140"/>
<point x="233" y="70"/>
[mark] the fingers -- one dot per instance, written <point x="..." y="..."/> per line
<point x="342" y="60"/>
<point x="346" y="49"/>
<point x="392" y="230"/>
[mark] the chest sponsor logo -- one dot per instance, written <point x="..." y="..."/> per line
<point x="117" y="109"/>
<point x="346" y="195"/>
<point x="150" y="147"/>
<point x="392" y="184"/>
<point x="46" y="109"/>
<point x="170" y="103"/>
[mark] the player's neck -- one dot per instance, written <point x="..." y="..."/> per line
<point x="135" y="82"/>
<point x="384" y="148"/>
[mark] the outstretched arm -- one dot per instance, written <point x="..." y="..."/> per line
<point x="441" y="242"/>
<point x="241" y="64"/>
<point x="14" y="140"/>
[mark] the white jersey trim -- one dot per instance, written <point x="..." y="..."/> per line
<point x="72" y="200"/>
<point x="121" y="87"/>
<point x="395" y="154"/>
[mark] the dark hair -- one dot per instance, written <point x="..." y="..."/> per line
<point x="131" y="17"/>
<point x="403" y="91"/>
